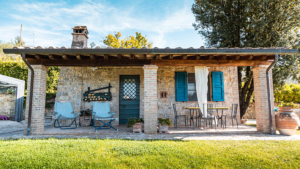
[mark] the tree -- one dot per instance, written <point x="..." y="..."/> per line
<point x="17" y="41"/>
<point x="139" y="41"/>
<point x="252" y="23"/>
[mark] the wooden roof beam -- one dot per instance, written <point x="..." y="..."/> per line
<point x="37" y="56"/>
<point x="211" y="57"/>
<point x="171" y="57"/>
<point x="119" y="56"/>
<point x="105" y="57"/>
<point x="64" y="57"/>
<point x="92" y="57"/>
<point x="78" y="57"/>
<point x="184" y="57"/>
<point x="237" y="57"/>
<point x="251" y="57"/>
<point x="157" y="57"/>
<point x="51" y="57"/>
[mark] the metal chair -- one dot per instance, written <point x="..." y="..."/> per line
<point x="233" y="115"/>
<point x="64" y="111"/>
<point x="102" y="113"/>
<point x="178" y="116"/>
<point x="211" y="109"/>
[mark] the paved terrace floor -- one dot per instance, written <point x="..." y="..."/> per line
<point x="122" y="129"/>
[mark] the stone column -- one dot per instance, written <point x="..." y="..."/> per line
<point x="150" y="99"/>
<point x="261" y="99"/>
<point x="38" y="101"/>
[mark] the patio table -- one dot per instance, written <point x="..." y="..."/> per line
<point x="197" y="108"/>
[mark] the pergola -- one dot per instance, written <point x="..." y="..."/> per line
<point x="262" y="59"/>
<point x="5" y="82"/>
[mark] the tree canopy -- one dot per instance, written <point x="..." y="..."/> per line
<point x="252" y="23"/>
<point x="137" y="41"/>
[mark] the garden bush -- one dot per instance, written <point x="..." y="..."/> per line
<point x="288" y="93"/>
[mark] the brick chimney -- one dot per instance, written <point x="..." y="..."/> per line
<point x="80" y="36"/>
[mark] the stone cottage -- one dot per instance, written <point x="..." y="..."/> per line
<point x="147" y="82"/>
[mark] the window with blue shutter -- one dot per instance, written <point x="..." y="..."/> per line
<point x="181" y="86"/>
<point x="217" y="86"/>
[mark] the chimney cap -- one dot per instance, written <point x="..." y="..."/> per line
<point x="81" y="27"/>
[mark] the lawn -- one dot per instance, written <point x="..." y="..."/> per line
<point x="92" y="153"/>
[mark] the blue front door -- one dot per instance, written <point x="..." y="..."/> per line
<point x="129" y="97"/>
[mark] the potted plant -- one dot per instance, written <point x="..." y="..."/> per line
<point x="287" y="121"/>
<point x="243" y="121"/>
<point x="136" y="123"/>
<point x="163" y="125"/>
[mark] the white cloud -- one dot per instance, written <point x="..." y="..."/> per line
<point x="52" y="22"/>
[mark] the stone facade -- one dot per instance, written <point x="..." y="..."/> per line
<point x="74" y="81"/>
<point x="166" y="82"/>
<point x="39" y="99"/>
<point x="7" y="105"/>
<point x="261" y="99"/>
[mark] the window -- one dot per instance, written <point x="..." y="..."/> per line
<point x="192" y="94"/>
<point x="185" y="86"/>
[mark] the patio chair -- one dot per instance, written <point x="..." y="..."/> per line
<point x="211" y="109"/>
<point x="102" y="113"/>
<point x="233" y="115"/>
<point x="178" y="116"/>
<point x="64" y="111"/>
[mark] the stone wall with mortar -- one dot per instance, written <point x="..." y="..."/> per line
<point x="7" y="104"/>
<point x="74" y="81"/>
<point x="166" y="82"/>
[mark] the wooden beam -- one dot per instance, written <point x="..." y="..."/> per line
<point x="237" y="57"/>
<point x="37" y="56"/>
<point x="251" y="57"/>
<point x="78" y="57"/>
<point x="51" y="57"/>
<point x="92" y="57"/>
<point x="105" y="57"/>
<point x="264" y="57"/>
<point x="157" y="57"/>
<point x="198" y="57"/>
<point x="184" y="57"/>
<point x="224" y="57"/>
<point x="211" y="57"/>
<point x="145" y="56"/>
<point x="64" y="57"/>
<point x="132" y="56"/>
<point x="120" y="56"/>
<point x="141" y="62"/>
<point x="171" y="57"/>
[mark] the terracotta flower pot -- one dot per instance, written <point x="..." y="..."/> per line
<point x="163" y="128"/>
<point x="287" y="121"/>
<point x="137" y="127"/>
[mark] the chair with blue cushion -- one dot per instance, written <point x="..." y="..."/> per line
<point x="102" y="113"/>
<point x="64" y="111"/>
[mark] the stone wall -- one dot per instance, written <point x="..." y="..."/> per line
<point x="166" y="82"/>
<point x="7" y="105"/>
<point x="74" y="81"/>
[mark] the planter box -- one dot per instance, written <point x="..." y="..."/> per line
<point x="137" y="127"/>
<point x="163" y="128"/>
<point x="85" y="121"/>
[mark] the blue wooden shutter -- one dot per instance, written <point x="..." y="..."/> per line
<point x="217" y="86"/>
<point x="181" y="86"/>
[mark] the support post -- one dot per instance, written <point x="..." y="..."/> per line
<point x="261" y="99"/>
<point x="150" y="99"/>
<point x="39" y="99"/>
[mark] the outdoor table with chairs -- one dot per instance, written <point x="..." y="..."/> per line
<point x="214" y="115"/>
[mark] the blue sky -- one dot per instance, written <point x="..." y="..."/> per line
<point x="167" y="23"/>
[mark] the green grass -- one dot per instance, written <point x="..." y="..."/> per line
<point x="92" y="153"/>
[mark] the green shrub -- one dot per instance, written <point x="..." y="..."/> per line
<point x="288" y="93"/>
<point x="134" y="120"/>
<point x="288" y="105"/>
<point x="165" y="121"/>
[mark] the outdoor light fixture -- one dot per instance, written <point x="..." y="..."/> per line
<point x="94" y="68"/>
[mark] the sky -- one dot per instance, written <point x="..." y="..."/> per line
<point x="166" y="23"/>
